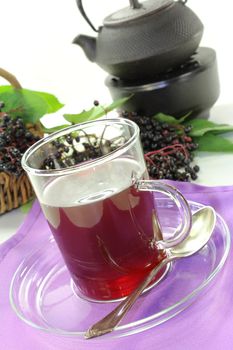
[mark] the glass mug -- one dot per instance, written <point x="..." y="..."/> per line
<point x="102" y="212"/>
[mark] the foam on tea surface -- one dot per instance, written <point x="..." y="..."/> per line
<point x="91" y="185"/>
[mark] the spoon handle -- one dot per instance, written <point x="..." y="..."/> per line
<point x="110" y="321"/>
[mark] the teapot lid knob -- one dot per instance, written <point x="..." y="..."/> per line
<point x="135" y="4"/>
<point x="136" y="10"/>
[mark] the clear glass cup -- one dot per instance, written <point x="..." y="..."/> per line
<point x="102" y="211"/>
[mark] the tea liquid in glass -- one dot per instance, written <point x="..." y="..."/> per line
<point x="103" y="227"/>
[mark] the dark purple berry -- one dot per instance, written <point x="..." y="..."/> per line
<point x="196" y="168"/>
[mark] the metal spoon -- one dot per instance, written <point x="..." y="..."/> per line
<point x="203" y="224"/>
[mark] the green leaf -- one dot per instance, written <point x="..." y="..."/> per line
<point x="55" y="128"/>
<point x="170" y="119"/>
<point x="28" y="104"/>
<point x="116" y="104"/>
<point x="94" y="112"/>
<point x="201" y="126"/>
<point x="161" y="117"/>
<point x="84" y="116"/>
<point x="10" y="98"/>
<point x="53" y="104"/>
<point x="182" y="119"/>
<point x="214" y="143"/>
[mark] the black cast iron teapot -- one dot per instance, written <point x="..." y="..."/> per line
<point x="143" y="39"/>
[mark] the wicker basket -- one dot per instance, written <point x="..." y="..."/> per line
<point x="14" y="191"/>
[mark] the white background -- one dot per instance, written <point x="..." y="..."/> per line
<point x="36" y="36"/>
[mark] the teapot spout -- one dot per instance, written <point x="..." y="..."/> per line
<point x="88" y="44"/>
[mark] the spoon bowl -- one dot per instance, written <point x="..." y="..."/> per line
<point x="203" y="223"/>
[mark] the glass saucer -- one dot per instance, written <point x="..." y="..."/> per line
<point x="41" y="291"/>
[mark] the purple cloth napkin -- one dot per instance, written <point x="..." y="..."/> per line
<point x="206" y="324"/>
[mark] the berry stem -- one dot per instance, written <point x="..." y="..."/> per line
<point x="168" y="150"/>
<point x="87" y="136"/>
<point x="148" y="159"/>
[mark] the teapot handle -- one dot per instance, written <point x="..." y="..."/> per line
<point x="83" y="13"/>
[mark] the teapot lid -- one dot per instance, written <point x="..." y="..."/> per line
<point x="136" y="10"/>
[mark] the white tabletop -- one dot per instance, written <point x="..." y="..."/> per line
<point x="215" y="169"/>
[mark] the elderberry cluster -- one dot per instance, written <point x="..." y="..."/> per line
<point x="168" y="148"/>
<point x="76" y="148"/>
<point x="15" y="138"/>
<point x="172" y="167"/>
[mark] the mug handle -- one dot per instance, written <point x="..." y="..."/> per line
<point x="183" y="229"/>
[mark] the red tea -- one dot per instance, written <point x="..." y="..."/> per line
<point x="103" y="227"/>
